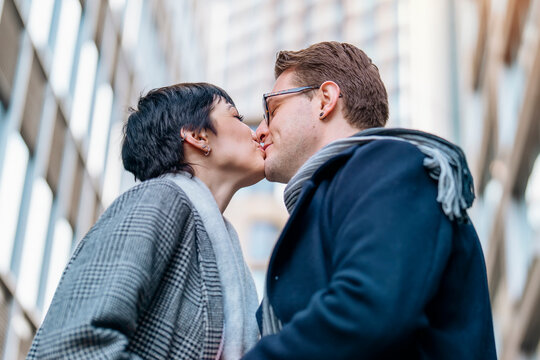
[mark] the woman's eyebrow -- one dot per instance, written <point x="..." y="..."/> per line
<point x="232" y="107"/>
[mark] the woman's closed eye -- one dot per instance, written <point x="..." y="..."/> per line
<point x="239" y="117"/>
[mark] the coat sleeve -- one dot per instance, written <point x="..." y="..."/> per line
<point x="112" y="276"/>
<point x="391" y="243"/>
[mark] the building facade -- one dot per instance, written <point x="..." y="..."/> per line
<point x="500" y="123"/>
<point x="468" y="70"/>
<point x="69" y="70"/>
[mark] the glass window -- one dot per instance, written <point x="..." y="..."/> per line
<point x="292" y="28"/>
<point x="100" y="129"/>
<point x="352" y="7"/>
<point x="355" y="6"/>
<point x="386" y="46"/>
<point x="34" y="243"/>
<point x="117" y="5"/>
<point x="68" y="26"/>
<point x="60" y="253"/>
<point x="518" y="246"/>
<point x="290" y="7"/>
<point x="325" y="14"/>
<point x="84" y="88"/>
<point x="261" y="241"/>
<point x="150" y="54"/>
<point x="118" y="8"/>
<point x="127" y="180"/>
<point x="107" y="44"/>
<point x="471" y="124"/>
<point x="132" y="18"/>
<point x="385" y="14"/>
<point x="512" y="79"/>
<point x="11" y="188"/>
<point x="487" y="210"/>
<point x="259" y="277"/>
<point x="39" y="22"/>
<point x="403" y="110"/>
<point x="279" y="189"/>
<point x="351" y="29"/>
<point x="263" y="186"/>
<point x="393" y="99"/>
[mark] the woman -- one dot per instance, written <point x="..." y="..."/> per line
<point x="161" y="274"/>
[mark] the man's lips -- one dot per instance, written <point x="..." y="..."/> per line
<point x="265" y="146"/>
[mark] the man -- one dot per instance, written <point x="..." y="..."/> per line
<point x="379" y="259"/>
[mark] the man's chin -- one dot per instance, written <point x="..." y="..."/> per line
<point x="273" y="176"/>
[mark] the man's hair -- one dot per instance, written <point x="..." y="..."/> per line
<point x="152" y="145"/>
<point x="364" y="94"/>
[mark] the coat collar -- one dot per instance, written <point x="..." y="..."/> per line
<point x="327" y="170"/>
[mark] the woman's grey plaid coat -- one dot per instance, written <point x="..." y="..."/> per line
<point x="142" y="284"/>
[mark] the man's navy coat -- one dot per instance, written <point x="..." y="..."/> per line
<point x="369" y="267"/>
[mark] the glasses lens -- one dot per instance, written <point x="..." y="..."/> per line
<point x="265" y="109"/>
<point x="266" y="113"/>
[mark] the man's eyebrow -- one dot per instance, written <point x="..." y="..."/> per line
<point x="275" y="100"/>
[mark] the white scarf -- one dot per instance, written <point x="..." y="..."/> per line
<point x="240" y="300"/>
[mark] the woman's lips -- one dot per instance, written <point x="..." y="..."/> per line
<point x="266" y="146"/>
<point x="262" y="150"/>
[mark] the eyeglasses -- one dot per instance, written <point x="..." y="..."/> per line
<point x="282" y="92"/>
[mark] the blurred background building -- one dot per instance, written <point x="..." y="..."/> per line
<point x="69" y="70"/>
<point x="468" y="70"/>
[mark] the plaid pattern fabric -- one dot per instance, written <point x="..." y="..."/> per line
<point x="142" y="284"/>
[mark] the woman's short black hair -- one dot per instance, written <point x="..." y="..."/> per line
<point x="151" y="144"/>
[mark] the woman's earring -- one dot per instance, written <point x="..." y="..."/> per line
<point x="207" y="150"/>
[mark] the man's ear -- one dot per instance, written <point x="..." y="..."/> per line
<point x="330" y="93"/>
<point x="197" y="139"/>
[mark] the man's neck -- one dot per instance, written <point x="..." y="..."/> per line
<point x="337" y="129"/>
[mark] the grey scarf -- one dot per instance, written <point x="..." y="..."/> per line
<point x="444" y="161"/>
<point x="240" y="300"/>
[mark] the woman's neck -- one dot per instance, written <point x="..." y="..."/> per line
<point x="222" y="186"/>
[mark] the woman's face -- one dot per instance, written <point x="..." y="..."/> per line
<point x="235" y="148"/>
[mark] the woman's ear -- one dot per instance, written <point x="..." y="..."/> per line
<point x="330" y="92"/>
<point x="197" y="139"/>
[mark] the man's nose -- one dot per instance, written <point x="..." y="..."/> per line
<point x="262" y="131"/>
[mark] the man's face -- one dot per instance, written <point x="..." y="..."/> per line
<point x="290" y="137"/>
